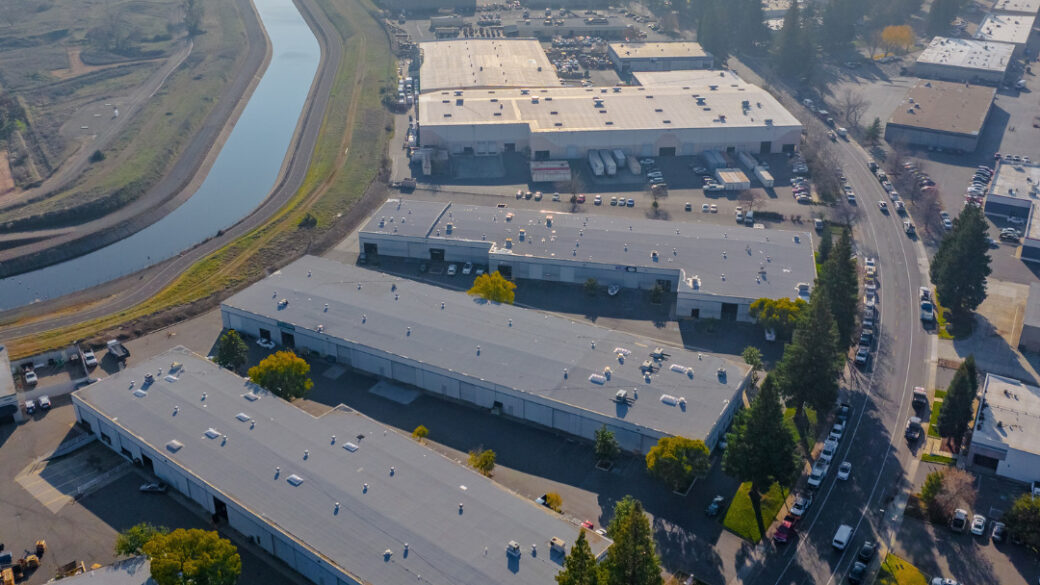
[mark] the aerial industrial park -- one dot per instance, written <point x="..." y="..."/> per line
<point x="390" y="291"/>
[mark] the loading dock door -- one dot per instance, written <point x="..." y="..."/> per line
<point x="288" y="340"/>
<point x="667" y="151"/>
<point x="437" y="254"/>
<point x="729" y="311"/>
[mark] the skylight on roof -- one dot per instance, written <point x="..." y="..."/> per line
<point x="294" y="479"/>
<point x="350" y="446"/>
<point x="212" y="433"/>
<point x="242" y="417"/>
<point x="174" y="446"/>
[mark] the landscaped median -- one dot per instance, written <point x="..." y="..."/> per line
<point x="896" y="571"/>
<point x="740" y="517"/>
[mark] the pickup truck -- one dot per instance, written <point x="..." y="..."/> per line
<point x="118" y="350"/>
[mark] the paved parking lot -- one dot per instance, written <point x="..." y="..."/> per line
<point x="938" y="551"/>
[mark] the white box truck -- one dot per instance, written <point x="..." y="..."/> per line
<point x="619" y="157"/>
<point x="610" y="167"/>
<point x="595" y="163"/>
<point x="747" y="160"/>
<point x="764" y="176"/>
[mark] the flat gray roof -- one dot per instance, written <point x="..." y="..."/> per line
<point x="1007" y="28"/>
<point x="1012" y="415"/>
<point x="7" y="388"/>
<point x="1032" y="317"/>
<point x="945" y="106"/>
<point x="418" y="504"/>
<point x="132" y="571"/>
<point x="703" y="103"/>
<point x="658" y="50"/>
<point x="968" y="54"/>
<point x="1018" y="6"/>
<point x="522" y="349"/>
<point x="689" y="78"/>
<point x="462" y="63"/>
<point x="734" y="261"/>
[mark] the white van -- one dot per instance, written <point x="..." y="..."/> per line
<point x="842" y="537"/>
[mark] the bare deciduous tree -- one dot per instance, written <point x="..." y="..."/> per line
<point x="852" y="105"/>
<point x="958" y="491"/>
<point x="750" y="199"/>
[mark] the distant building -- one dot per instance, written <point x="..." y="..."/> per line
<point x="339" y="498"/>
<point x="1007" y="28"/>
<point x="1017" y="6"/>
<point x="659" y="56"/>
<point x="418" y="7"/>
<point x="1030" y="338"/>
<point x="484" y="63"/>
<point x="965" y="60"/>
<point x="561" y="374"/>
<point x="1006" y="435"/>
<point x="941" y="115"/>
<point x="713" y="270"/>
<point x="10" y="410"/>
<point x="1011" y="196"/>
<point x="545" y="29"/>
<point x="132" y="571"/>
<point x="775" y="9"/>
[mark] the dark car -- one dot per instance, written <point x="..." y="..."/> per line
<point x="999" y="533"/>
<point x="858" y="572"/>
<point x="156" y="487"/>
<point x="913" y="429"/>
<point x="867" y="551"/>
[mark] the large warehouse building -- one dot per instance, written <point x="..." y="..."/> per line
<point x="941" y="114"/>
<point x="484" y="63"/>
<point x="1006" y="435"/>
<point x="1007" y="28"/>
<point x="554" y="372"/>
<point x="965" y="60"/>
<point x="565" y="122"/>
<point x="1017" y="6"/>
<point x="715" y="271"/>
<point x="340" y="498"/>
<point x="659" y="56"/>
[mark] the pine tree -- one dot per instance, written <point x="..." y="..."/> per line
<point x="761" y="448"/>
<point x="873" y="132"/>
<point x="632" y="559"/>
<point x="580" y="567"/>
<point x="826" y="244"/>
<point x="712" y="31"/>
<point x="232" y="351"/>
<point x="839" y="282"/>
<point x="940" y="15"/>
<point x="961" y="265"/>
<point x="957" y="407"/>
<point x="809" y="370"/>
<point x="788" y="42"/>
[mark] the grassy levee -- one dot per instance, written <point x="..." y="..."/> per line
<point x="337" y="178"/>
<point x="158" y="134"/>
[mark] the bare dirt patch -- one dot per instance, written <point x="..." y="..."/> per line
<point x="6" y="180"/>
<point x="78" y="67"/>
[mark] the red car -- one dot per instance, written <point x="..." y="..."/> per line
<point x="784" y="532"/>
<point x="581" y="198"/>
<point x="587" y="525"/>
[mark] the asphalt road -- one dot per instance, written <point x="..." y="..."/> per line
<point x="124" y="293"/>
<point x="883" y="465"/>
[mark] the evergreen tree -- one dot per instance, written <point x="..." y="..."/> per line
<point x="713" y="32"/>
<point x="232" y="351"/>
<point x="826" y="244"/>
<point x="580" y="567"/>
<point x="607" y="448"/>
<point x="748" y="20"/>
<point x="873" y="132"/>
<point x="809" y="370"/>
<point x="837" y="31"/>
<point x="839" y="282"/>
<point x="957" y="409"/>
<point x="941" y="15"/>
<point x="787" y="51"/>
<point x="1023" y="520"/>
<point x="761" y="448"/>
<point x="961" y="265"/>
<point x="631" y="560"/>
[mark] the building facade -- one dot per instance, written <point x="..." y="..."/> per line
<point x="659" y="56"/>
<point x="1006" y="434"/>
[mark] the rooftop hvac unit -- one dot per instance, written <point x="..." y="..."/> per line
<point x="621" y="396"/>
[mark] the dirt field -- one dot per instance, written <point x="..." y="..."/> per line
<point x="78" y="67"/>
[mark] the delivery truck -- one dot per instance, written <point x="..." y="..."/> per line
<point x="596" y="163"/>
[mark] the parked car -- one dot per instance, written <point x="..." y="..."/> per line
<point x="265" y="343"/>
<point x="959" y="521"/>
<point x="883" y="206"/>
<point x="89" y="359"/>
<point x="631" y="202"/>
<point x="30" y="406"/>
<point x="999" y="532"/>
<point x="913" y="429"/>
<point x="453" y="269"/>
<point x="45" y="402"/>
<point x="867" y="551"/>
<point x="467" y="268"/>
<point x="581" y="198"/>
<point x="597" y="200"/>
<point x="784" y="532"/>
<point x="837" y="431"/>
<point x="30" y="377"/>
<point x="819" y="471"/>
<point x="830" y="448"/>
<point x="857" y="573"/>
<point x="801" y="505"/>
<point x="862" y="355"/>
<point x="978" y="525"/>
<point x="927" y="312"/>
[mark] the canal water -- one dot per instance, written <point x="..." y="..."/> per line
<point x="242" y="176"/>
